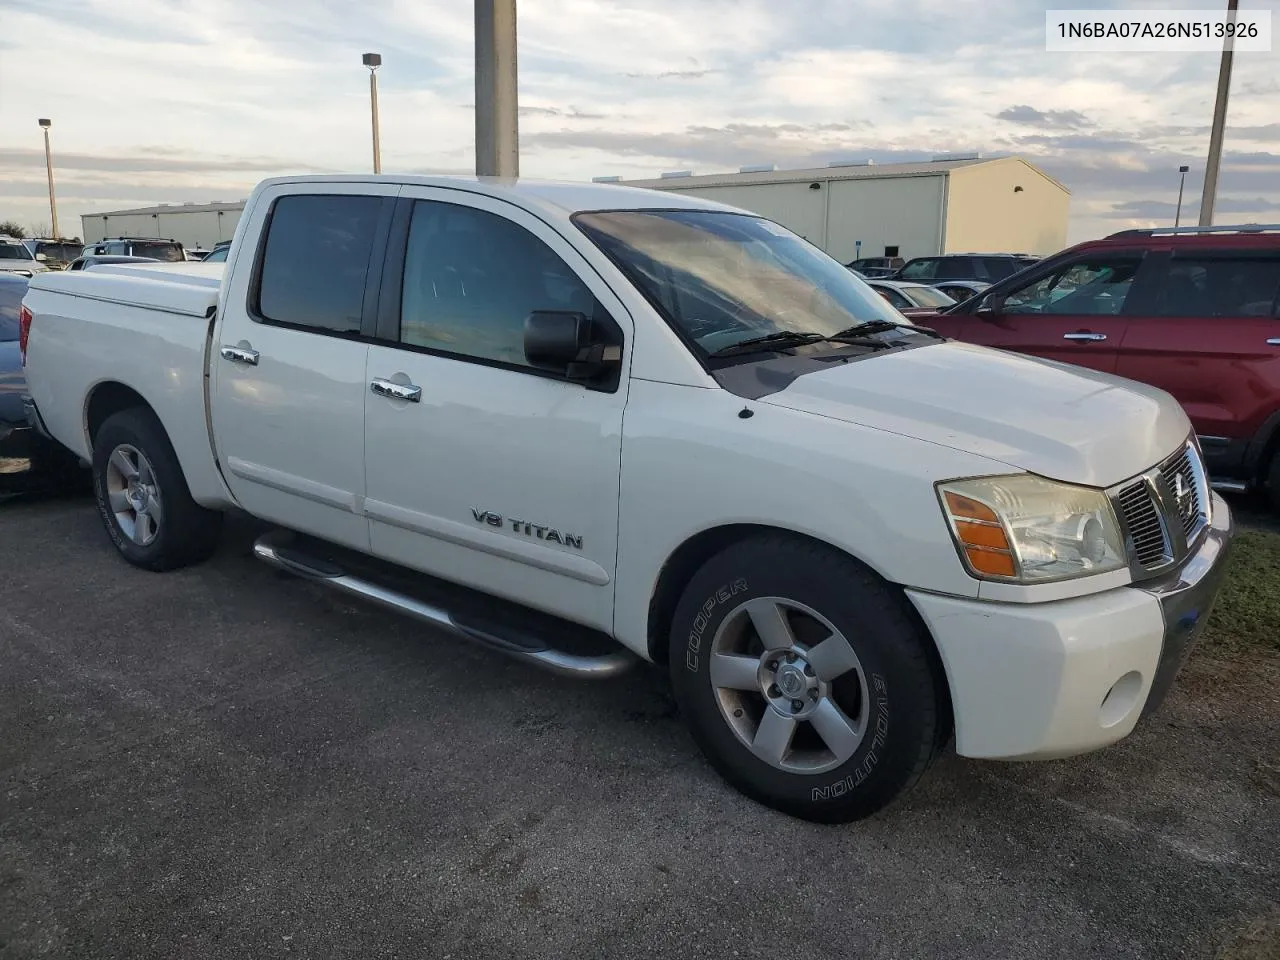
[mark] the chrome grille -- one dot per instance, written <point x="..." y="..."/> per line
<point x="1181" y="476"/>
<point x="1163" y="511"/>
<point x="1142" y="518"/>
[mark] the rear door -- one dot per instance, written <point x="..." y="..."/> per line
<point x="1074" y="312"/>
<point x="1204" y="327"/>
<point x="287" y="374"/>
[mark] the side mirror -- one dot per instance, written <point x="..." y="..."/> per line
<point x="41" y="257"/>
<point x="571" y="344"/>
<point x="993" y="306"/>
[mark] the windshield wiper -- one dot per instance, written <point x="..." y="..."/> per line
<point x="870" y="327"/>
<point x="783" y="338"/>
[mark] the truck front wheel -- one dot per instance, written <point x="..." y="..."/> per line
<point x="805" y="681"/>
<point x="143" y="497"/>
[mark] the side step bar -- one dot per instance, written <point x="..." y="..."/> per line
<point x="274" y="549"/>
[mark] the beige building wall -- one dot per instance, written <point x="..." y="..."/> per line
<point x="905" y="212"/>
<point x="985" y="214"/>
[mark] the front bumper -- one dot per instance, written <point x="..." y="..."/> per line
<point x="1042" y="680"/>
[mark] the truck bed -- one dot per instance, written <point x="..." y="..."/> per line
<point x="146" y="330"/>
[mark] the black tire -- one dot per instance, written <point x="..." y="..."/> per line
<point x="907" y="719"/>
<point x="187" y="533"/>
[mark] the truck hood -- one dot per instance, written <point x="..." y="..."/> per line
<point x="1060" y="421"/>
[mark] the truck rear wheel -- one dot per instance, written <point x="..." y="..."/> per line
<point x="805" y="681"/>
<point x="143" y="497"/>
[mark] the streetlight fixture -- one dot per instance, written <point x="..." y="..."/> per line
<point x="373" y="61"/>
<point x="1182" y="182"/>
<point x="45" y="124"/>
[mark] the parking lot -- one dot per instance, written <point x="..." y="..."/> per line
<point x="226" y="762"/>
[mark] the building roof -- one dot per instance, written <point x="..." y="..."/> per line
<point x="840" y="171"/>
<point x="214" y="207"/>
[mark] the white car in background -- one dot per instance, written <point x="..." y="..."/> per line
<point x="911" y="299"/>
<point x="959" y="290"/>
<point x="15" y="257"/>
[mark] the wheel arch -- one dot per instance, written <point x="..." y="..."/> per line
<point x="700" y="547"/>
<point x="106" y="398"/>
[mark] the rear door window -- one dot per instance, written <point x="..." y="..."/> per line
<point x="955" y="268"/>
<point x="315" y="261"/>
<point x="1000" y="267"/>
<point x="1213" y="286"/>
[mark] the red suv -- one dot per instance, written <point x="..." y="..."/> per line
<point x="1194" y="311"/>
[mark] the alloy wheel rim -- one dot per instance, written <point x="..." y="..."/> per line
<point x="134" y="495"/>
<point x="790" y="685"/>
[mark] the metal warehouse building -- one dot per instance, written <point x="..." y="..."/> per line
<point x="951" y="205"/>
<point x="197" y="226"/>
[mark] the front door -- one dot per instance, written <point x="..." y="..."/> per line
<point x="288" y="381"/>
<point x="1074" y="313"/>
<point x="479" y="468"/>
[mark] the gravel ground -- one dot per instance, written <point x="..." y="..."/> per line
<point x="226" y="762"/>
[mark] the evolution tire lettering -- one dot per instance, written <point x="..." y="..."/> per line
<point x="700" y="622"/>
<point x="550" y="534"/>
<point x="880" y="693"/>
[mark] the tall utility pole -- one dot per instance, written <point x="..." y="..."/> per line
<point x="48" y="166"/>
<point x="497" y="124"/>
<point x="373" y="61"/>
<point x="1182" y="182"/>
<point x="1219" y="124"/>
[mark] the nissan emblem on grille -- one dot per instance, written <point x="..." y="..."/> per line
<point x="1163" y="510"/>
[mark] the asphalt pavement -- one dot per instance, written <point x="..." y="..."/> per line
<point x="226" y="762"/>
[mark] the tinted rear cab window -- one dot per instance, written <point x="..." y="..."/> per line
<point x="315" y="261"/>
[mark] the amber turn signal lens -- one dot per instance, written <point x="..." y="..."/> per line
<point x="966" y="508"/>
<point x="997" y="563"/>
<point x="981" y="535"/>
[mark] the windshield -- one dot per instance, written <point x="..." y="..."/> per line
<point x="923" y="296"/>
<point x="217" y="256"/>
<point x="14" y="251"/>
<point x="169" y="252"/>
<point x="723" y="278"/>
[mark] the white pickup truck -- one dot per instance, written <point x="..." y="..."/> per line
<point x="588" y="425"/>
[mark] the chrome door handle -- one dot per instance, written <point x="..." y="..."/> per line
<point x="1274" y="342"/>
<point x="1084" y="336"/>
<point x="397" y="391"/>
<point x="240" y="355"/>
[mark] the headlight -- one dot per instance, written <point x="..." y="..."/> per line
<point x="1027" y="529"/>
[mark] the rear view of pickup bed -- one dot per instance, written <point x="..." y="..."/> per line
<point x="587" y="425"/>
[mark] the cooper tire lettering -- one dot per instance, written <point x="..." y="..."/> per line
<point x="721" y="595"/>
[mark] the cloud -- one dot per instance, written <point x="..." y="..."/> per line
<point x="1052" y="119"/>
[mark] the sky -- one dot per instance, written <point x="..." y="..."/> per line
<point x="170" y="101"/>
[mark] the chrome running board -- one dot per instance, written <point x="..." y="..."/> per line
<point x="276" y="549"/>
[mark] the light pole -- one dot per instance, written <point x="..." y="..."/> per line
<point x="373" y="61"/>
<point x="48" y="165"/>
<point x="1210" y="192"/>
<point x="497" y="123"/>
<point x="1182" y="182"/>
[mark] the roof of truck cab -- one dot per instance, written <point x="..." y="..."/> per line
<point x="561" y="196"/>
